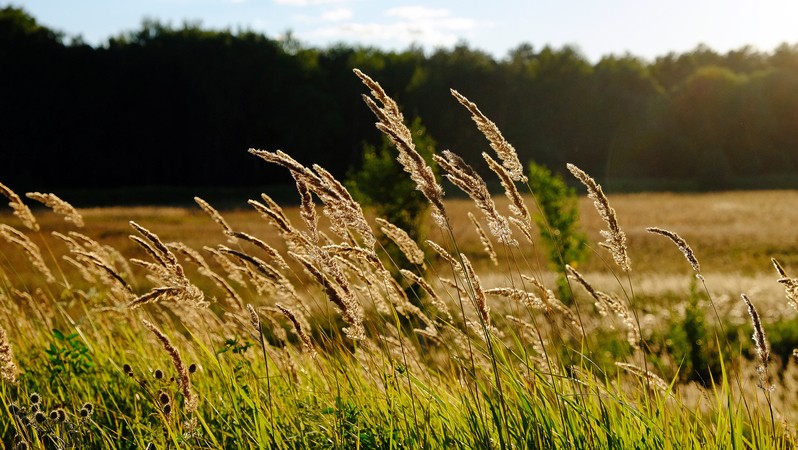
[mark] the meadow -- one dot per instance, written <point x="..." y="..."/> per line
<point x="290" y="328"/>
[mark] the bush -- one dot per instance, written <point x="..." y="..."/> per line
<point x="558" y="221"/>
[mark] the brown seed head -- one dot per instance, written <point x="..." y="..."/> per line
<point x="468" y="180"/>
<point x="498" y="143"/>
<point x="680" y="243"/>
<point x="217" y="217"/>
<point x="486" y="244"/>
<point x="185" y="382"/>
<point x="20" y="209"/>
<point x="615" y="239"/>
<point x="8" y="369"/>
<point x="761" y="343"/>
<point x="58" y="206"/>
<point x="391" y="123"/>
<point x="406" y="244"/>
<point x="307" y="344"/>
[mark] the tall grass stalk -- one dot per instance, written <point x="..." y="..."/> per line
<point x="311" y="343"/>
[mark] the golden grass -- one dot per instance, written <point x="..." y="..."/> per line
<point x="725" y="230"/>
<point x="729" y="232"/>
<point x="521" y="369"/>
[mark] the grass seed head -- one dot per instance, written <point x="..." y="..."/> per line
<point x="32" y="251"/>
<point x="615" y="238"/>
<point x="406" y="244"/>
<point x="504" y="150"/>
<point x="483" y="237"/>
<point x="217" y="217"/>
<point x="468" y="180"/>
<point x="185" y="382"/>
<point x="761" y="343"/>
<point x="680" y="243"/>
<point x="790" y="284"/>
<point x="307" y="344"/>
<point x="58" y="206"/>
<point x="20" y="209"/>
<point x="254" y="319"/>
<point x="8" y="369"/>
<point x="391" y="123"/>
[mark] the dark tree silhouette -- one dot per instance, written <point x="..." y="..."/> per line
<point x="179" y="106"/>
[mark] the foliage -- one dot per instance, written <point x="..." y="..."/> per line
<point x="694" y="347"/>
<point x="68" y="355"/>
<point x="193" y="97"/>
<point x="557" y="219"/>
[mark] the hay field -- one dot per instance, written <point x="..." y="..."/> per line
<point x="734" y="234"/>
<point x="731" y="232"/>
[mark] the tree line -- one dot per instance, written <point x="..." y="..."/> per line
<point x="166" y="105"/>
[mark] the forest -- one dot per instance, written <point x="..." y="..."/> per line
<point x="180" y="105"/>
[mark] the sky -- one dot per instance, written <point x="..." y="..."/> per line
<point x="643" y="28"/>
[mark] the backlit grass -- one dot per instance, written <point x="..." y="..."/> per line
<point x="299" y="336"/>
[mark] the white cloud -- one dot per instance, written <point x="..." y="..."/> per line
<point x="406" y="25"/>
<point x="333" y="15"/>
<point x="417" y="13"/>
<point x="307" y="2"/>
<point x="337" y="15"/>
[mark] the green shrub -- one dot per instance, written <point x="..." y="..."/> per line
<point x="558" y="221"/>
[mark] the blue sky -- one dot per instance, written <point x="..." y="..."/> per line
<point x="600" y="27"/>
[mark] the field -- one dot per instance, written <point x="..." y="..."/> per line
<point x="734" y="235"/>
<point x="302" y="328"/>
<point x="76" y="343"/>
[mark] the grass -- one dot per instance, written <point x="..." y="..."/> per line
<point x="158" y="349"/>
<point x="327" y="393"/>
